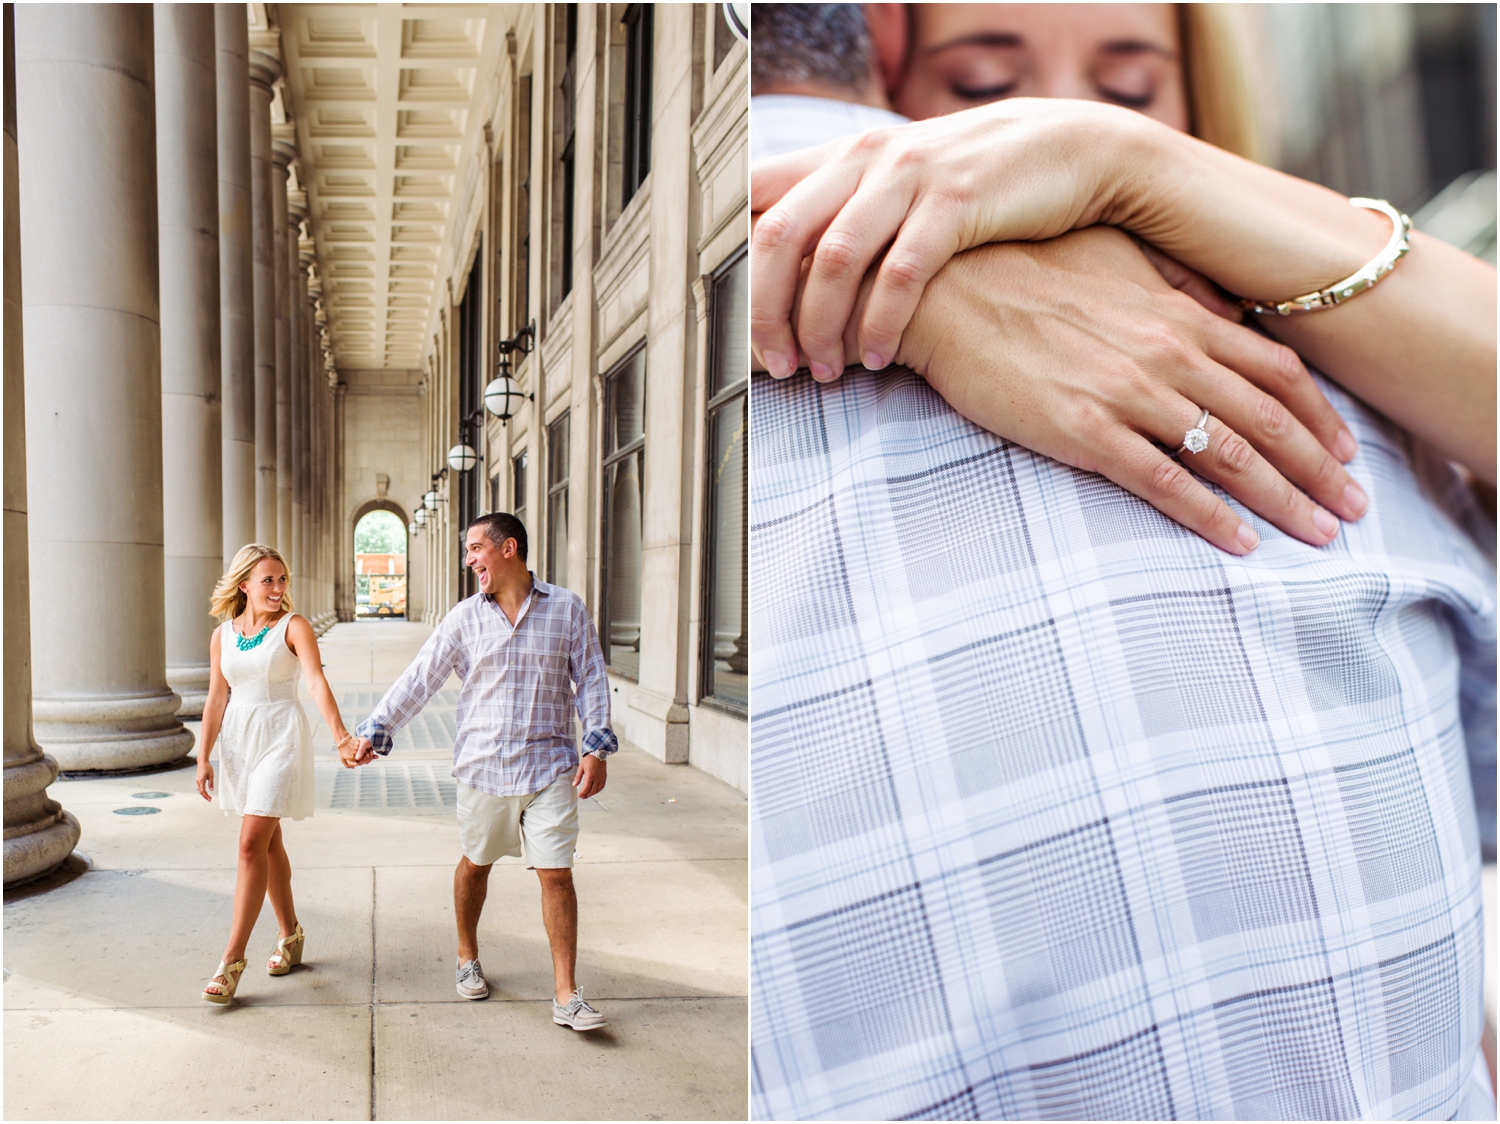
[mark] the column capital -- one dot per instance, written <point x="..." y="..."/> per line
<point x="265" y="69"/>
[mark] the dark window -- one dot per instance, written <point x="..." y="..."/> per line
<point x="638" y="32"/>
<point x="726" y="637"/>
<point x="624" y="454"/>
<point x="569" y="88"/>
<point x="470" y="408"/>
<point x="557" y="501"/>
<point x="518" y="487"/>
<point x="495" y="493"/>
<point x="723" y="35"/>
<point x="523" y="211"/>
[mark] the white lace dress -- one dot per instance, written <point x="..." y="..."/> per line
<point x="265" y="765"/>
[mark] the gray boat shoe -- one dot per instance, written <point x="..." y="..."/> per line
<point x="470" y="979"/>
<point x="577" y="1014"/>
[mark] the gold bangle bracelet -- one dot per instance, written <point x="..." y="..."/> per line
<point x="1362" y="279"/>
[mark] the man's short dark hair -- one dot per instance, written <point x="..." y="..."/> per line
<point x="501" y="525"/>
<point x="821" y="44"/>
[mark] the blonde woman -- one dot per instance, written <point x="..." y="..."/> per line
<point x="265" y="745"/>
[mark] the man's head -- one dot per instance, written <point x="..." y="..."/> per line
<point x="495" y="549"/>
<point x="817" y="50"/>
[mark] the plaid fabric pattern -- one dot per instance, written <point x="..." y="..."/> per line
<point x="1062" y="813"/>
<point x="515" y="720"/>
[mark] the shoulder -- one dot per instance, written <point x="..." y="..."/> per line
<point x="559" y="596"/>
<point x="298" y="627"/>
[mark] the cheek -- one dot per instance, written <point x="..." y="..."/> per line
<point x="1171" y="105"/>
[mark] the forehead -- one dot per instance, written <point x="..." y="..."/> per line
<point x="1078" y="26"/>
<point x="267" y="568"/>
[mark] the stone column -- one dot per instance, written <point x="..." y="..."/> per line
<point x="236" y="277"/>
<point x="38" y="833"/>
<point x="296" y="210"/>
<point x="93" y="386"/>
<point x="264" y="70"/>
<point x="282" y="154"/>
<point x="187" y="178"/>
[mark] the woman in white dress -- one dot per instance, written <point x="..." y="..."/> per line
<point x="265" y="745"/>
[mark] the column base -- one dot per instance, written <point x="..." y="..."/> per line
<point x="656" y="724"/>
<point x="111" y="733"/>
<point x="39" y="835"/>
<point x="191" y="683"/>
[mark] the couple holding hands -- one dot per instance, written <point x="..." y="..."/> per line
<point x="518" y="648"/>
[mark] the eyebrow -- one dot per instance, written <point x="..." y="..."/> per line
<point x="1001" y="39"/>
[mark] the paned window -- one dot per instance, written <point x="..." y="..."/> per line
<point x="624" y="455"/>
<point x="557" y="501"/>
<point x="569" y="86"/>
<point x="518" y="464"/>
<point x="638" y="20"/>
<point x="726" y="637"/>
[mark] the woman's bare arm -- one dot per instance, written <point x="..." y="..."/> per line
<point x="1420" y="347"/>
<point x="303" y="642"/>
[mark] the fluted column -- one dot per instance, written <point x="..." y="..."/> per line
<point x="297" y="352"/>
<point x="282" y="154"/>
<point x="187" y="178"/>
<point x="264" y="70"/>
<point x="236" y="277"/>
<point x="38" y="833"/>
<point x="93" y="386"/>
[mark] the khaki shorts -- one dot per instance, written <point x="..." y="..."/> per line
<point x="545" y="824"/>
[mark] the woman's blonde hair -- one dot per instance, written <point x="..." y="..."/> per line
<point x="228" y="601"/>
<point x="1218" y="73"/>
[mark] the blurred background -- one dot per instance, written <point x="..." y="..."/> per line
<point x="1395" y="101"/>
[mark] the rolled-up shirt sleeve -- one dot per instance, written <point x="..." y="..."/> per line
<point x="591" y="687"/>
<point x="418" y="683"/>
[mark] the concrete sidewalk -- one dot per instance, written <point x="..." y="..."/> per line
<point x="103" y="1018"/>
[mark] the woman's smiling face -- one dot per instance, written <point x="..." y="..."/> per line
<point x="963" y="55"/>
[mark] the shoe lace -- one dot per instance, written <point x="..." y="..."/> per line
<point x="469" y="971"/>
<point x="579" y="1003"/>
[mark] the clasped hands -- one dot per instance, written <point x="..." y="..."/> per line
<point x="356" y="751"/>
<point x="1067" y="337"/>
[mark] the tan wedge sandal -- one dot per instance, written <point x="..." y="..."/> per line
<point x="230" y="973"/>
<point x="288" y="953"/>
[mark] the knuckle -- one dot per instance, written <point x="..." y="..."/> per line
<point x="904" y="271"/>
<point x="1286" y="368"/>
<point x="837" y="253"/>
<point x="1272" y="419"/>
<point x="1235" y="454"/>
<point x="1169" y="480"/>
<point x="1328" y="474"/>
<point x="774" y="230"/>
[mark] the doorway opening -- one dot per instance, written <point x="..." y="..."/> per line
<point x="379" y="567"/>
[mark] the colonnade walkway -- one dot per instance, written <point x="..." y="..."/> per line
<point x="104" y="967"/>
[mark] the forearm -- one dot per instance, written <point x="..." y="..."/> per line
<point x="1420" y="346"/>
<point x="213" y="722"/>
<point x="328" y="707"/>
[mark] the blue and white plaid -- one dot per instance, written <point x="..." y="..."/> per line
<point x="1060" y="812"/>
<point x="515" y="708"/>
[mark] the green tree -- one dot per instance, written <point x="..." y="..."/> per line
<point x="379" y="532"/>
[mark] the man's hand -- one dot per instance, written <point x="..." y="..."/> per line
<point x="589" y="779"/>
<point x="356" y="751"/>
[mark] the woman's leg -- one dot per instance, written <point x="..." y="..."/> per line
<point x="256" y="833"/>
<point x="279" y="884"/>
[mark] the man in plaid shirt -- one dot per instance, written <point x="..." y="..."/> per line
<point x="519" y="646"/>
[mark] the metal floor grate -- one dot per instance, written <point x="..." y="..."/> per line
<point x="435" y="727"/>
<point x="378" y="787"/>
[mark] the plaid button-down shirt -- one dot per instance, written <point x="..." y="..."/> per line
<point x="1061" y="813"/>
<point x="515" y="708"/>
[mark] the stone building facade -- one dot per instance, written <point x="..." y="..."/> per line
<point x="604" y="238"/>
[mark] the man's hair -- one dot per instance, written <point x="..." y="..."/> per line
<point x="821" y="44"/>
<point x="501" y="525"/>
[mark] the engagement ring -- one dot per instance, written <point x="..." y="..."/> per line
<point x="1196" y="439"/>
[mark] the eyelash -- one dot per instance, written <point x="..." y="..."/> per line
<point x="982" y="93"/>
<point x="1141" y="101"/>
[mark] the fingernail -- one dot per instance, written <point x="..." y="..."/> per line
<point x="1355" y="499"/>
<point x="1325" y="522"/>
<point x="1248" y="538"/>
<point x="821" y="371"/>
<point x="1344" y="446"/>
<point x="874" y="361"/>
<point x="777" y="365"/>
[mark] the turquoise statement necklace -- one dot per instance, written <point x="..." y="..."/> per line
<point x="245" y="643"/>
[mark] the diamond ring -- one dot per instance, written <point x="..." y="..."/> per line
<point x="1196" y="439"/>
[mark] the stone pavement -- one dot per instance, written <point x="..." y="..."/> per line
<point x="103" y="968"/>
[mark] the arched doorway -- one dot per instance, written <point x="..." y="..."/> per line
<point x="379" y="566"/>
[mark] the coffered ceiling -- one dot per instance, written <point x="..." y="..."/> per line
<point x="388" y="103"/>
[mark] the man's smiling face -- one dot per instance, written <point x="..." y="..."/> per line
<point x="487" y="560"/>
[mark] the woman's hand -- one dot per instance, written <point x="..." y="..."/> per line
<point x="1077" y="348"/>
<point x="1019" y="169"/>
<point x="205" y="778"/>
